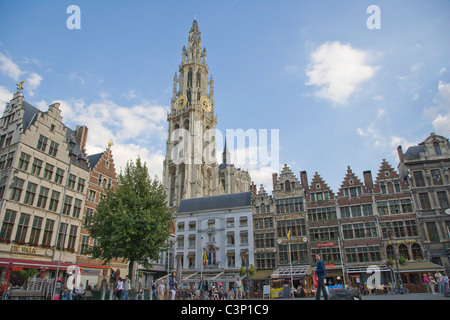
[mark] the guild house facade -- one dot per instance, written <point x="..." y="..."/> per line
<point x="46" y="188"/>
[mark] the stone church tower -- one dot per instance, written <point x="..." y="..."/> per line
<point x="190" y="166"/>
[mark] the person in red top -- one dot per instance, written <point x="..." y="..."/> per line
<point x="426" y="281"/>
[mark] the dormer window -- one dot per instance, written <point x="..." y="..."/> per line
<point x="287" y="186"/>
<point x="437" y="148"/>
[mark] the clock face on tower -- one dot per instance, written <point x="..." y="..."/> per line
<point x="206" y="104"/>
<point x="181" y="102"/>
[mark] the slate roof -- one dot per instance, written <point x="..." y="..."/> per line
<point x="94" y="159"/>
<point x="414" y="152"/>
<point x="227" y="201"/>
<point x="30" y="115"/>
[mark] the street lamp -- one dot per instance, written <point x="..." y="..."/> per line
<point x="248" y="260"/>
<point x="398" y="280"/>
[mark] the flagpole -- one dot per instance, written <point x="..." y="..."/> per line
<point x="290" y="258"/>
<point x="342" y="262"/>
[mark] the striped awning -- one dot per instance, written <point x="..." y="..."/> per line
<point x="295" y="271"/>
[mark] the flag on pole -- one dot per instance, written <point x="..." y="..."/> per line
<point x="289" y="234"/>
<point x="205" y="258"/>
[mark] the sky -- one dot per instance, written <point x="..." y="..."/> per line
<point x="343" y="82"/>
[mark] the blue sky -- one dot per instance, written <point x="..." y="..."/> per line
<point x="340" y="94"/>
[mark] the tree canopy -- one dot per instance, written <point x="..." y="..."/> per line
<point x="132" y="222"/>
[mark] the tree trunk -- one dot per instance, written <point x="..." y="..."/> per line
<point x="131" y="273"/>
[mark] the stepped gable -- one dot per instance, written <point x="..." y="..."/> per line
<point x="351" y="180"/>
<point x="388" y="174"/>
<point x="287" y="175"/>
<point x="318" y="185"/>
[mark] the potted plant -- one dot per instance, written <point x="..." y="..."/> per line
<point x="390" y="262"/>
<point x="403" y="261"/>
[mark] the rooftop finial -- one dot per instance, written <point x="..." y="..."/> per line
<point x="20" y="85"/>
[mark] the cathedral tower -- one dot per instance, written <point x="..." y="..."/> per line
<point x="190" y="168"/>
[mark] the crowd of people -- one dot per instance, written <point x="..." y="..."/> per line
<point x="200" y="291"/>
<point x="436" y="284"/>
<point x="439" y="280"/>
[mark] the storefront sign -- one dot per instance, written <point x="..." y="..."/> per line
<point x="402" y="241"/>
<point x="330" y="244"/>
<point x="23" y="249"/>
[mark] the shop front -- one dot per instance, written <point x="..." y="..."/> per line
<point x="12" y="271"/>
<point x="289" y="281"/>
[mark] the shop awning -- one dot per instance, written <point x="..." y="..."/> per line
<point x="411" y="266"/>
<point x="419" y="266"/>
<point x="363" y="269"/>
<point x="295" y="271"/>
<point x="261" y="274"/>
<point x="37" y="264"/>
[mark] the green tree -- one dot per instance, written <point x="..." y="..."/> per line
<point x="132" y="222"/>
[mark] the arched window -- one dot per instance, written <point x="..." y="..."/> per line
<point x="390" y="187"/>
<point x="198" y="79"/>
<point x="186" y="124"/>
<point x="189" y="84"/>
<point x="287" y="185"/>
<point x="403" y="250"/>
<point x="416" y="251"/>
<point x="263" y="208"/>
<point x="390" y="252"/>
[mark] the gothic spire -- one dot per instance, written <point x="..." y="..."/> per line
<point x="194" y="50"/>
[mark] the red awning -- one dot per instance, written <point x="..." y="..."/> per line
<point x="37" y="264"/>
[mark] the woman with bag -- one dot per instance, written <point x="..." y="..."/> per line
<point x="432" y="282"/>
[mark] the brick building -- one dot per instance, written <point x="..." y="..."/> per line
<point x="102" y="177"/>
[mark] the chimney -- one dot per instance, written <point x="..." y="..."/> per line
<point x="400" y="153"/>
<point x="274" y="180"/>
<point x="81" y="134"/>
<point x="253" y="190"/>
<point x="368" y="181"/>
<point x="304" y="180"/>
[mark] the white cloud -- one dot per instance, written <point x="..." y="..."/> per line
<point x="132" y="128"/>
<point x="380" y="113"/>
<point x="5" y="96"/>
<point x="9" y="68"/>
<point x="338" y="70"/>
<point x="378" y="98"/>
<point x="12" y="70"/>
<point x="33" y="81"/>
<point x="440" y="112"/>
<point x="75" y="76"/>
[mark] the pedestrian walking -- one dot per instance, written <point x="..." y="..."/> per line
<point x="426" y="282"/>
<point x="119" y="289"/>
<point x="154" y="287"/>
<point x="321" y="272"/>
<point x="126" y="288"/>
<point x="203" y="288"/>
<point x="440" y="283"/>
<point x="432" y="282"/>
<point x="238" y="286"/>
<point x="173" y="285"/>
<point x="161" y="289"/>
<point x="445" y="281"/>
